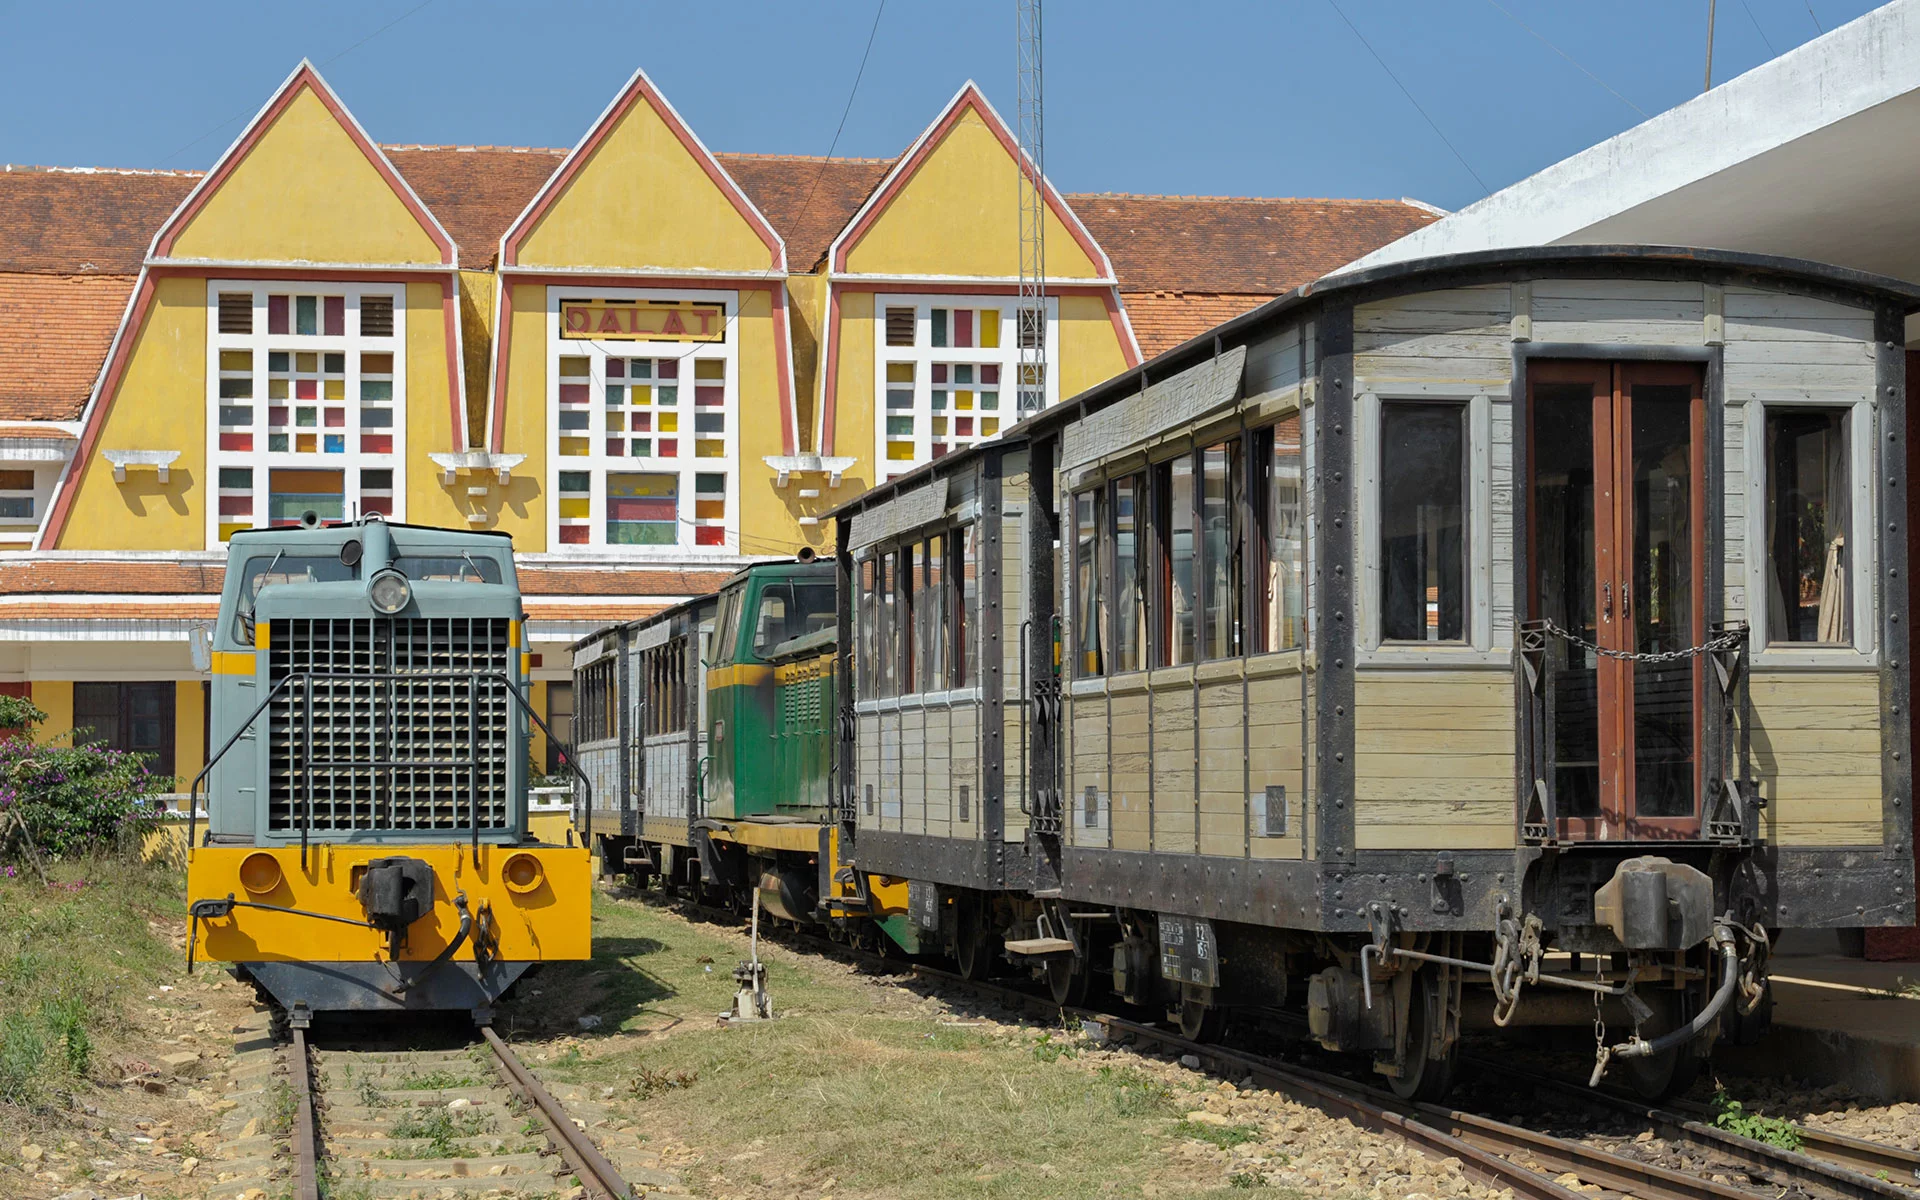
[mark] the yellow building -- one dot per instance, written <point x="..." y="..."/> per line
<point x="647" y="362"/>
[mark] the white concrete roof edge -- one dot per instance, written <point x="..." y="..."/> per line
<point x="1849" y="70"/>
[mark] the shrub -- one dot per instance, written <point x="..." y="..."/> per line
<point x="76" y="800"/>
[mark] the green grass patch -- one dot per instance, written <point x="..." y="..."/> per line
<point x="1224" y="1136"/>
<point x="71" y="955"/>
<point x="440" y="1128"/>
<point x="1731" y="1115"/>
<point x="435" y="1081"/>
<point x="854" y="1088"/>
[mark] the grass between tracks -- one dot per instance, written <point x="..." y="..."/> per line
<point x="857" y="1088"/>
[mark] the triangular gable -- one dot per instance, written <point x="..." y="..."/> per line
<point x="970" y="165"/>
<point x="304" y="183"/>
<point x="642" y="192"/>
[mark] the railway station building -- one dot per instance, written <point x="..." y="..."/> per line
<point x="647" y="362"/>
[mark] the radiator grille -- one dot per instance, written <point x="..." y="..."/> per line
<point x="421" y="717"/>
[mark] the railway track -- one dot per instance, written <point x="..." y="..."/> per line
<point x="393" y="1122"/>
<point x="1499" y="1153"/>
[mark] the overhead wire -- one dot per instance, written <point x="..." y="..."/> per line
<point x="1334" y="4"/>
<point x="1771" y="52"/>
<point x="1508" y="14"/>
<point x="1816" y="20"/>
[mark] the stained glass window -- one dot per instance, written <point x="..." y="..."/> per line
<point x="645" y="429"/>
<point x="946" y="372"/>
<point x="305" y="378"/>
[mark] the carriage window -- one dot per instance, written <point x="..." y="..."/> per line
<point x="1423" y="543"/>
<point x="933" y="618"/>
<point x="1174" y="502"/>
<point x="594" y="721"/>
<point x="1088" y="608"/>
<point x="725" y="626"/>
<point x="1129" y="575"/>
<point x="1809" y="570"/>
<point x="899" y="616"/>
<point x="1286" y="539"/>
<point x="867" y="636"/>
<point x="1220" y="548"/>
<point x="968" y="619"/>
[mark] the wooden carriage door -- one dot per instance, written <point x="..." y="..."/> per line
<point x="1616" y="543"/>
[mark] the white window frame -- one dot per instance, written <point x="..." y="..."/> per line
<point x="1864" y="652"/>
<point x="1478" y="648"/>
<point x="25" y="529"/>
<point x="923" y="354"/>
<point x="597" y="463"/>
<point x="260" y="342"/>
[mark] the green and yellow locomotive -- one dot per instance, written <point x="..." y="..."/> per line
<point x="708" y="729"/>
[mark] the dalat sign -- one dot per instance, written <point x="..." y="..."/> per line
<point x="643" y="321"/>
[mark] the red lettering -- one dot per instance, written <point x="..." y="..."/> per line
<point x="706" y="319"/>
<point x="674" y="323"/>
<point x="577" y="320"/>
<point x="609" y="322"/>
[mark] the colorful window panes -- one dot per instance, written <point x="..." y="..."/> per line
<point x="376" y="491"/>
<point x="306" y="413"/>
<point x="643" y="508"/>
<point x="709" y="509"/>
<point x="632" y="445"/>
<point x="574" y="500"/>
<point x="953" y="366"/>
<point x="293" y="492"/>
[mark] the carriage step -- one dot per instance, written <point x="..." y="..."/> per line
<point x="1035" y="947"/>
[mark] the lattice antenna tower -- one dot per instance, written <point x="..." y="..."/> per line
<point x="1032" y="310"/>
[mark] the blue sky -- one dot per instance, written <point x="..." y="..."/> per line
<point x="1209" y="97"/>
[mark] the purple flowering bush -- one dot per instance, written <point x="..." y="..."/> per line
<point x="76" y="800"/>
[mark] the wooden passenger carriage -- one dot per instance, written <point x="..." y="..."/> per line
<point x="640" y="734"/>
<point x="1473" y="611"/>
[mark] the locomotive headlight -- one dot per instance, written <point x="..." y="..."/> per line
<point x="260" y="873"/>
<point x="389" y="592"/>
<point x="523" y="873"/>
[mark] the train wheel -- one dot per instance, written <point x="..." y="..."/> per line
<point x="1067" y="978"/>
<point x="1425" y="1078"/>
<point x="1665" y="1075"/>
<point x="1200" y="1021"/>
<point x="974" y="946"/>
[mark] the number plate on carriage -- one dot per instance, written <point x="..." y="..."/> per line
<point x="1188" y="953"/>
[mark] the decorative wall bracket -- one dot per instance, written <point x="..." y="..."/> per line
<point x="160" y="460"/>
<point x="453" y="462"/>
<point x="786" y="466"/>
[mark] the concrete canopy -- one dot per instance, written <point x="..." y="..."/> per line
<point x="1813" y="155"/>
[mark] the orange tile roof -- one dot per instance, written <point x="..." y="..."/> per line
<point x="1232" y="245"/>
<point x="1163" y="320"/>
<point x="618" y="581"/>
<point x="41" y="611"/>
<point x="9" y="432"/>
<point x="71" y="239"/>
<point x="607" y="613"/>
<point x="54" y="334"/>
<point x="110" y="576"/>
<point x="72" y="221"/>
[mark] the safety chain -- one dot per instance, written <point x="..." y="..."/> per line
<point x="1724" y="641"/>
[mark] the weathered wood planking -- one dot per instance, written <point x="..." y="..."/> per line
<point x="1425" y="783"/>
<point x="1816" y="755"/>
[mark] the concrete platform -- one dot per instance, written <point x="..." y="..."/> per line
<point x="1839" y="1019"/>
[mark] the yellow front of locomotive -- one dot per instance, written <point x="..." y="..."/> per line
<point x="366" y="846"/>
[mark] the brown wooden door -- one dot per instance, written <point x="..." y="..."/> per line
<point x="1616" y="544"/>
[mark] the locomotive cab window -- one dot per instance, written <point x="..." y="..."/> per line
<point x="789" y="611"/>
<point x="1423" y="499"/>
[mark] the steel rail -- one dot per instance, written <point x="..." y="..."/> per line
<point x="1827" y="1161"/>
<point x="306" y="1163"/>
<point x="596" y="1174"/>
